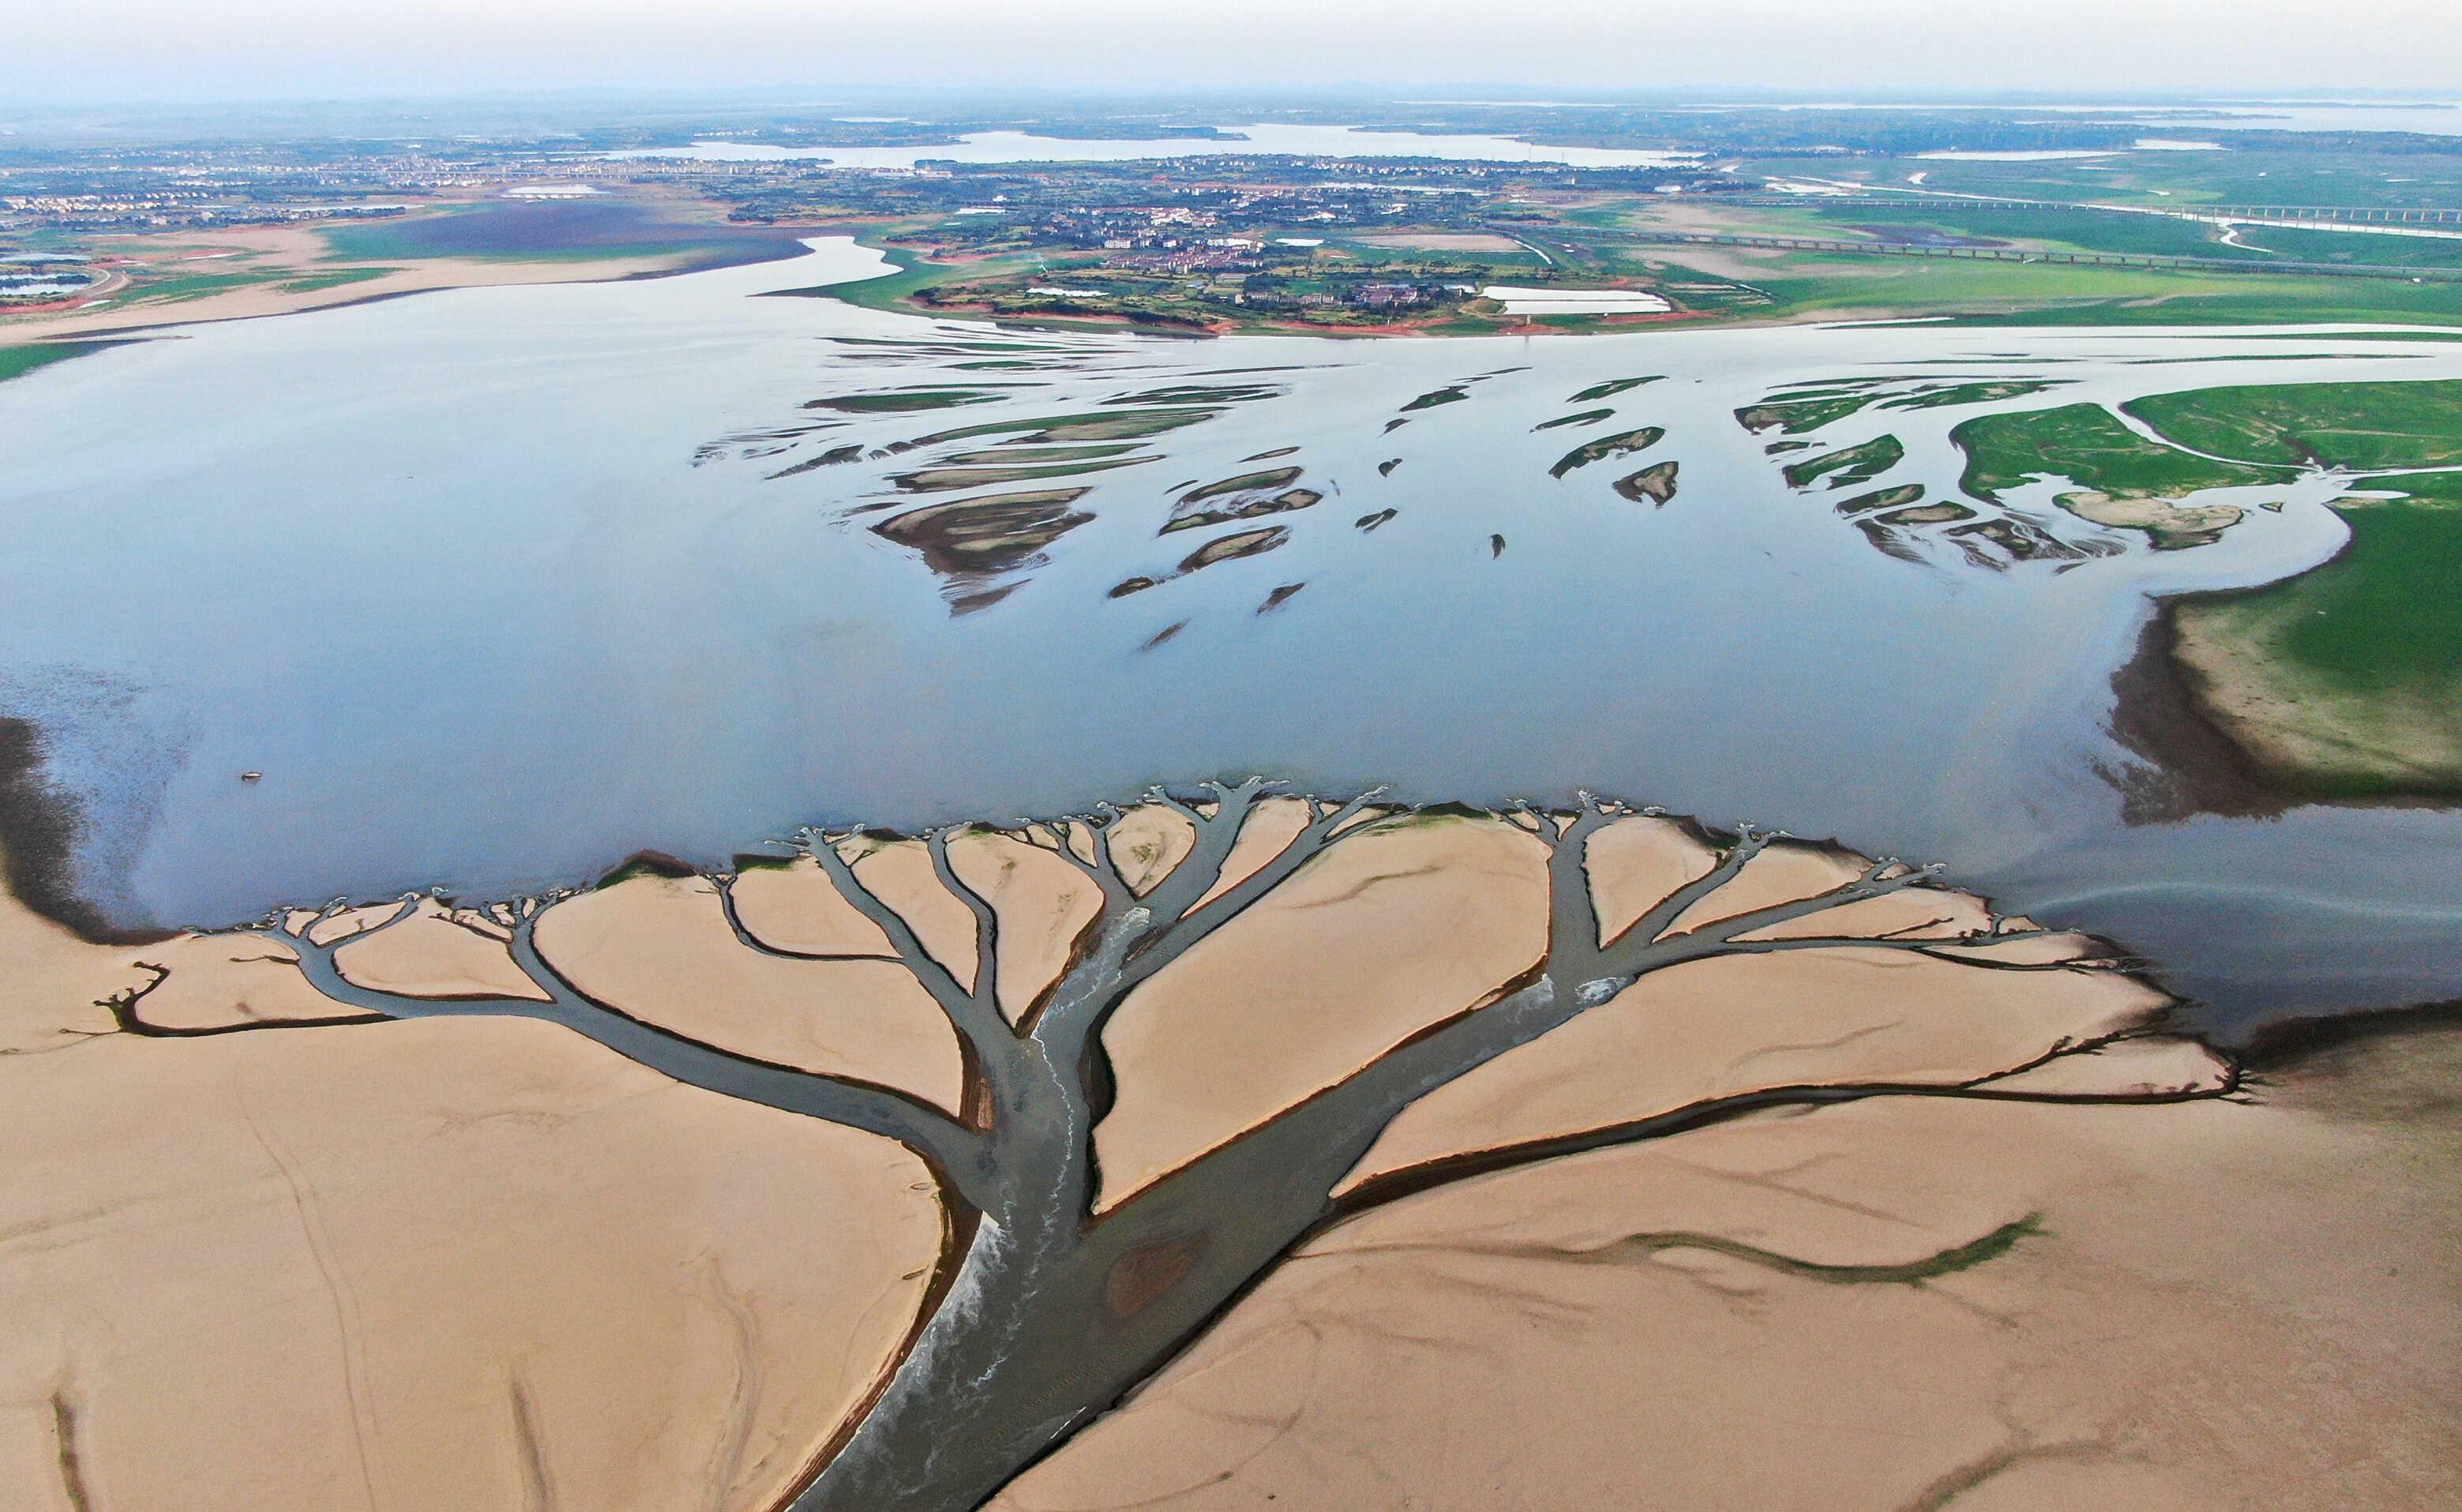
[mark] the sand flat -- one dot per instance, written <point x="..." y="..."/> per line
<point x="2153" y="1066"/>
<point x="51" y="996"/>
<point x="1393" y="929"/>
<point x="1633" y="864"/>
<point x="2211" y="1315"/>
<point x="298" y="253"/>
<point x="433" y="1265"/>
<point x="660" y="950"/>
<point x="797" y="908"/>
<point x="1147" y="843"/>
<point x="1714" y="1028"/>
<point x="220" y="980"/>
<point x="899" y="873"/>
<point x="437" y="954"/>
<point x="1271" y="826"/>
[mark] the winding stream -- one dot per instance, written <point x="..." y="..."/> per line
<point x="496" y="586"/>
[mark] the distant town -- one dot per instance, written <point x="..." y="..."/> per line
<point x="1722" y="215"/>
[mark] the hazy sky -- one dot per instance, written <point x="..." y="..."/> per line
<point x="65" y="50"/>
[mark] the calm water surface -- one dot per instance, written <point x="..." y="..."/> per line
<point x="1254" y="140"/>
<point x="497" y="586"/>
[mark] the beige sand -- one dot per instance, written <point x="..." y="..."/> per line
<point x="1634" y="863"/>
<point x="1391" y="930"/>
<point x="660" y="950"/>
<point x="441" y="1265"/>
<point x="1147" y="843"/>
<point x="296" y="252"/>
<point x="1395" y="930"/>
<point x="1042" y="904"/>
<point x="1269" y="831"/>
<point x="441" y="953"/>
<point x="482" y="1263"/>
<point x="2167" y="522"/>
<point x="1787" y="871"/>
<point x="1719" y="1027"/>
<point x="2221" y="1310"/>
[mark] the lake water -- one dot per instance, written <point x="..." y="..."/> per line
<point x="2426" y="117"/>
<point x="1258" y="140"/>
<point x="496" y="586"/>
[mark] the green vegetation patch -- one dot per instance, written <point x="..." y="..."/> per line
<point x="1244" y="482"/>
<point x="1434" y="398"/>
<point x="1587" y="417"/>
<point x="18" y="361"/>
<point x="942" y="480"/>
<point x="2363" y="426"/>
<point x="1201" y="394"/>
<point x="1127" y="426"/>
<point x="1035" y="456"/>
<point x="2382" y="617"/>
<point x="1796" y="416"/>
<point x="1949" y="395"/>
<point x="1889" y="498"/>
<point x="1048" y="430"/>
<point x="903" y="401"/>
<point x="1612" y="388"/>
<point x="337" y="278"/>
<point x="2360" y="660"/>
<point x="2088" y="445"/>
<point x="1608" y="446"/>
<point x="1849" y="466"/>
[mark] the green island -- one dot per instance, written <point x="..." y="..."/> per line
<point x="2357" y="426"/>
<point x="1849" y="466"/>
<point x="2343" y="682"/>
<point x="2120" y="479"/>
<point x="17" y="361"/>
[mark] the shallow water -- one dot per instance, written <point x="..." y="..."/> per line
<point x="1252" y="140"/>
<point x="496" y="586"/>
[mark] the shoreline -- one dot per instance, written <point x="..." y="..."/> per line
<point x="400" y="279"/>
<point x="38" y="828"/>
<point x="2195" y="766"/>
<point x="38" y="825"/>
<point x="2162" y="711"/>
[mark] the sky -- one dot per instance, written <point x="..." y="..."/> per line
<point x="204" y="49"/>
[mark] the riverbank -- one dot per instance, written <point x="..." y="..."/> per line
<point x="250" y="272"/>
<point x="2227" y="697"/>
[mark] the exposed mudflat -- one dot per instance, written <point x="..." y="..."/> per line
<point x="2007" y="1240"/>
